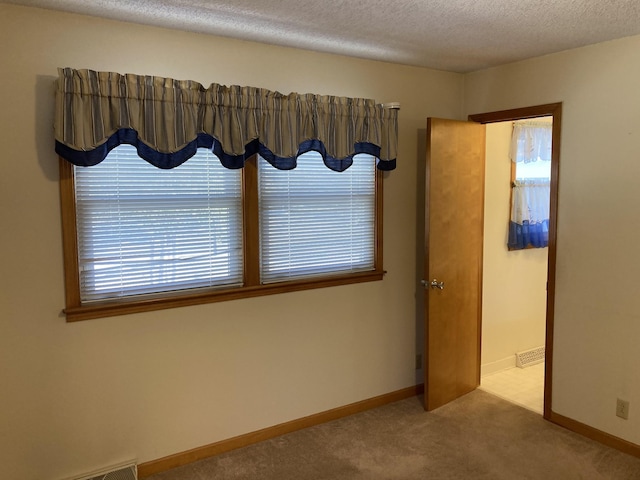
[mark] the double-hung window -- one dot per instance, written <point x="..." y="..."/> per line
<point x="140" y="238"/>
<point x="143" y="230"/>
<point x="314" y="221"/>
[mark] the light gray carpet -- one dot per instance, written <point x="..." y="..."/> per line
<point x="478" y="436"/>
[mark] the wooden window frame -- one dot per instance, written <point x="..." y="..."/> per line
<point x="75" y="310"/>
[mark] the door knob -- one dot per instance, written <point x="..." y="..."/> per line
<point x="433" y="284"/>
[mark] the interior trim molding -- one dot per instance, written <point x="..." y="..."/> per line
<point x="595" y="434"/>
<point x="162" y="464"/>
<point x="554" y="110"/>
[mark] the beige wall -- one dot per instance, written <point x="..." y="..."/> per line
<point x="597" y="308"/>
<point x="77" y="397"/>
<point x="514" y="291"/>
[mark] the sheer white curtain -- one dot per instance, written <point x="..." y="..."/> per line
<point x="531" y="141"/>
<point x="529" y="225"/>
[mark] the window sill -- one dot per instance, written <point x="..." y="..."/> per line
<point x="125" y="307"/>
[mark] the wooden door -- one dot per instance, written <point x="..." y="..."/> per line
<point x="453" y="258"/>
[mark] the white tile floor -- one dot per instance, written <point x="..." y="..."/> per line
<point x="523" y="386"/>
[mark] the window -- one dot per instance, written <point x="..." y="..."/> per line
<point x="141" y="238"/>
<point x="138" y="239"/>
<point x="315" y="221"/>
<point x="145" y="230"/>
<point x="531" y="182"/>
<point x="532" y="170"/>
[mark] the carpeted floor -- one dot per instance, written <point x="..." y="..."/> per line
<point x="479" y="436"/>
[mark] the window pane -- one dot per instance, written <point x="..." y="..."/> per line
<point x="145" y="230"/>
<point x="315" y="221"/>
<point x="538" y="169"/>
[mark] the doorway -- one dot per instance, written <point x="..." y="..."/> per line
<point x="454" y="366"/>
<point x="514" y="280"/>
<point x="554" y="111"/>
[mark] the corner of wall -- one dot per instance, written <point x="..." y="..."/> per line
<point x="463" y="97"/>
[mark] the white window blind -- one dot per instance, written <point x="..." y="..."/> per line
<point x="314" y="221"/>
<point x="144" y="230"/>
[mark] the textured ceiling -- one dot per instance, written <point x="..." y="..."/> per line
<point x="454" y="35"/>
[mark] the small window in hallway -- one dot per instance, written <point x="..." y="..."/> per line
<point x="531" y="181"/>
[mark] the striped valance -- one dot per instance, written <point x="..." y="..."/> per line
<point x="167" y="120"/>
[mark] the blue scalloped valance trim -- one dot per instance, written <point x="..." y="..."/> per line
<point x="162" y="160"/>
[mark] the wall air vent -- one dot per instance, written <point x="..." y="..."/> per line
<point x="127" y="471"/>
<point x="530" y="357"/>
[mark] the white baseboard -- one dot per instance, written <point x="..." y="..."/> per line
<point x="498" y="366"/>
